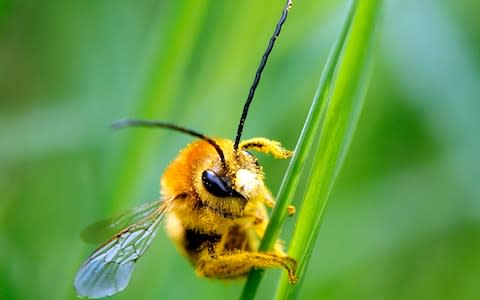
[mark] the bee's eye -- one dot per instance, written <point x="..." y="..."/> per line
<point x="216" y="185"/>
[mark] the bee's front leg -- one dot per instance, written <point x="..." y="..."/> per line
<point x="239" y="263"/>
<point x="270" y="202"/>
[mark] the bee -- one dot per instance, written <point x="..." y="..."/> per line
<point x="213" y="200"/>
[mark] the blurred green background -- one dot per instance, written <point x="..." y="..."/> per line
<point x="403" y="221"/>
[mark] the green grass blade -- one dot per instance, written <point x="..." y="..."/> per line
<point x="338" y="122"/>
<point x="302" y="149"/>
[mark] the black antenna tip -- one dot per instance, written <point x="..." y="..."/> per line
<point x="122" y="123"/>
<point x="118" y="124"/>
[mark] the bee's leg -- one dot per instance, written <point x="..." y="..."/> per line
<point x="266" y="146"/>
<point x="270" y="202"/>
<point x="259" y="228"/>
<point x="267" y="198"/>
<point x="237" y="264"/>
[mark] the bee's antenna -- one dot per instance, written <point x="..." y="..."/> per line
<point x="159" y="124"/>
<point x="258" y="74"/>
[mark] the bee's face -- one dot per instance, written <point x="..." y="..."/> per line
<point x="228" y="190"/>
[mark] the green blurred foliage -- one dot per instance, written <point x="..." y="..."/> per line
<point x="403" y="221"/>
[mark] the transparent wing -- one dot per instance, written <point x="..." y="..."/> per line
<point x="102" y="230"/>
<point x="107" y="271"/>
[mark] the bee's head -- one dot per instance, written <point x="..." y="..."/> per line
<point x="224" y="176"/>
<point x="228" y="187"/>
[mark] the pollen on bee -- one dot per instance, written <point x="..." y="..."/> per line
<point x="246" y="181"/>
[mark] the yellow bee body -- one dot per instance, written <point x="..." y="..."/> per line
<point x="213" y="198"/>
<point x="220" y="235"/>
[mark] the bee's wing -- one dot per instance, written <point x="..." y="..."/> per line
<point x="102" y="230"/>
<point x="107" y="271"/>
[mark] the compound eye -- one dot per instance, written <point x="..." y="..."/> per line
<point x="216" y="185"/>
